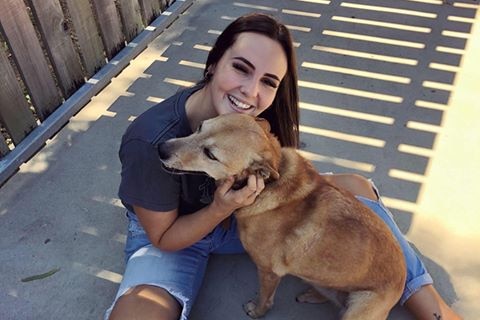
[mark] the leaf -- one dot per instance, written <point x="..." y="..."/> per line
<point x="41" y="276"/>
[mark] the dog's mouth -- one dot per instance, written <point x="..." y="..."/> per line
<point x="179" y="171"/>
<point x="237" y="185"/>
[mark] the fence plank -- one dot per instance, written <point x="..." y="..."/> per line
<point x="10" y="163"/>
<point x="3" y="147"/>
<point x="14" y="110"/>
<point x="88" y="37"/>
<point x="150" y="10"/>
<point x="110" y="26"/>
<point x="54" y="29"/>
<point x="163" y="5"/>
<point x="131" y="17"/>
<point x="26" y="49"/>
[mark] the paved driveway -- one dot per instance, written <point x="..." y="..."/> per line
<point x="389" y="89"/>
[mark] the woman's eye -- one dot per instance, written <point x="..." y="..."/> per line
<point x="270" y="83"/>
<point x="240" y="67"/>
<point x="209" y="154"/>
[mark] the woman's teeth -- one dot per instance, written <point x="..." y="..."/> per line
<point x="238" y="103"/>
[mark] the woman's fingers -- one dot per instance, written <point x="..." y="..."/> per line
<point x="255" y="185"/>
<point x="243" y="197"/>
<point x="252" y="185"/>
<point x="260" y="184"/>
<point x="226" y="185"/>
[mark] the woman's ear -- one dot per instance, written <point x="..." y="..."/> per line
<point x="264" y="124"/>
<point x="211" y="69"/>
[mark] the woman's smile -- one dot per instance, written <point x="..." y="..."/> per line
<point x="238" y="105"/>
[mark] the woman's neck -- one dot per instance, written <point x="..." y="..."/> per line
<point x="199" y="107"/>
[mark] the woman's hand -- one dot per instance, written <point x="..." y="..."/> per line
<point x="170" y="232"/>
<point x="228" y="200"/>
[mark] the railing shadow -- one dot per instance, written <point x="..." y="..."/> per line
<point x="375" y="80"/>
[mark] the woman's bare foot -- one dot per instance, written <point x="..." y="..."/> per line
<point x="311" y="296"/>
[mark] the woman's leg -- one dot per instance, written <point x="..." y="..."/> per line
<point x="160" y="285"/>
<point x="425" y="303"/>
<point x="153" y="284"/>
<point x="146" y="302"/>
<point x="354" y="183"/>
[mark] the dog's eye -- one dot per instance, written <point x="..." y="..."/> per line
<point x="209" y="154"/>
<point x="199" y="127"/>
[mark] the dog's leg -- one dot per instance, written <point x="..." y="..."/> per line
<point x="367" y="305"/>
<point x="268" y="285"/>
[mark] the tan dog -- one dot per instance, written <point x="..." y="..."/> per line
<point x="300" y="224"/>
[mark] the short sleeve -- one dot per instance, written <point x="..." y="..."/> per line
<point x="144" y="182"/>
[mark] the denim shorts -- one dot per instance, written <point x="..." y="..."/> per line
<point x="417" y="274"/>
<point x="181" y="272"/>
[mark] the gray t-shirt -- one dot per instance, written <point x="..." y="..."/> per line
<point x="144" y="182"/>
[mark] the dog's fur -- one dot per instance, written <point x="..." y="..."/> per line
<point x="300" y="224"/>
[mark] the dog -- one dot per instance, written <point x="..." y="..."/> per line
<point x="300" y="224"/>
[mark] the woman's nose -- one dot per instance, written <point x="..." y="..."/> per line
<point x="250" y="88"/>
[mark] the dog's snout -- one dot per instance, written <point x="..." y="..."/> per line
<point x="163" y="151"/>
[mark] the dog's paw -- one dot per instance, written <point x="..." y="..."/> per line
<point x="250" y="309"/>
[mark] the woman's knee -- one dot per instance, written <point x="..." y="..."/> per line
<point x="356" y="184"/>
<point x="146" y="302"/>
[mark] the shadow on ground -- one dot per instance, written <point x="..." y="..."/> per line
<point x="375" y="81"/>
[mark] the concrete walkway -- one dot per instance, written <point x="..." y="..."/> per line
<point x="389" y="90"/>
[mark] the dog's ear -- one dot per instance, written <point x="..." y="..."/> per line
<point x="265" y="170"/>
<point x="263" y="123"/>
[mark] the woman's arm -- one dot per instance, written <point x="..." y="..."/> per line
<point x="170" y="232"/>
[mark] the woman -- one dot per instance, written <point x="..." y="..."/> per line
<point x="176" y="221"/>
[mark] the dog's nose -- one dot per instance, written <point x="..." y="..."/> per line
<point x="162" y="149"/>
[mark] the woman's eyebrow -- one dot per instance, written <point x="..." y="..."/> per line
<point x="270" y="75"/>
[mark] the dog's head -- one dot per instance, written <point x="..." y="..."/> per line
<point x="229" y="145"/>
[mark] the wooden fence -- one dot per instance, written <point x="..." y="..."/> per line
<point x="50" y="48"/>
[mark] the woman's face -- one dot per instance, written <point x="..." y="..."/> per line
<point x="246" y="78"/>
